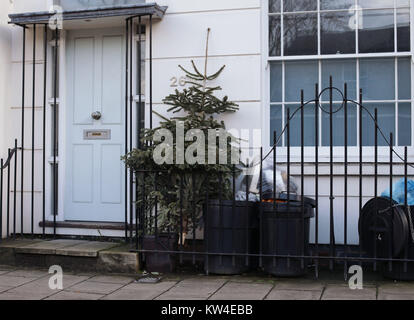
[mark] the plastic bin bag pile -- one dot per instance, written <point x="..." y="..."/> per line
<point x="267" y="182"/>
<point x="398" y="192"/>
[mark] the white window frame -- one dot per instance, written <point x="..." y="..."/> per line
<point x="353" y="152"/>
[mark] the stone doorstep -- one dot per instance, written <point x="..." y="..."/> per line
<point x="76" y="248"/>
<point x="13" y="244"/>
<point x="89" y="249"/>
<point x="107" y="257"/>
<point x="46" y="247"/>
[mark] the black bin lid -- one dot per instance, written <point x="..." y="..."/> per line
<point x="385" y="228"/>
<point x="293" y="197"/>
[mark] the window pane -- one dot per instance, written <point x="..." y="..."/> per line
<point x="300" y="34"/>
<point x="274" y="36"/>
<point x="386" y="122"/>
<point x="298" y="76"/>
<point x="300" y="5"/>
<point x="376" y="3"/>
<point x="295" y="125"/>
<point x="336" y="34"/>
<point x="403" y="3"/>
<point x="336" y="4"/>
<point x="274" y="6"/>
<point x="276" y="82"/>
<point x="377" y="79"/>
<point x="338" y="122"/>
<point x="403" y="29"/>
<point x="404" y="124"/>
<point x="142" y="67"/>
<point x="404" y="78"/>
<point x="276" y="122"/>
<point x="342" y="71"/>
<point x="377" y="31"/>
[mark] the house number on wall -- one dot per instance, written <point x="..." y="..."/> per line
<point x="175" y="82"/>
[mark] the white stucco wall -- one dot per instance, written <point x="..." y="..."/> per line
<point x="5" y="73"/>
<point x="22" y="6"/>
<point x="235" y="41"/>
<point x="5" y="67"/>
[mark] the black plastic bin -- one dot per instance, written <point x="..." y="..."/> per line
<point x="385" y="236"/>
<point x="285" y="231"/>
<point x="230" y="230"/>
<point x="159" y="261"/>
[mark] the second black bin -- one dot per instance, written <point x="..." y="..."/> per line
<point x="285" y="231"/>
<point x="230" y="228"/>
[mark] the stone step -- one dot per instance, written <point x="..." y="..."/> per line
<point x="76" y="255"/>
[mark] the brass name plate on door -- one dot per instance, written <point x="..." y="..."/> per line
<point x="96" y="134"/>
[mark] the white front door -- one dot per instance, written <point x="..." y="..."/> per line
<point x="94" y="188"/>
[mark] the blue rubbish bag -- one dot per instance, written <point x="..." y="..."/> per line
<point x="398" y="192"/>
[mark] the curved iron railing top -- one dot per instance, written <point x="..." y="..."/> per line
<point x="10" y="155"/>
<point x="344" y="103"/>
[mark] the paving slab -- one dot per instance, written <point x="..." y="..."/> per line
<point x="47" y="247"/>
<point x="333" y="292"/>
<point x="70" y="280"/>
<point x="112" y="279"/>
<point x="277" y="294"/>
<point x="39" y="290"/>
<point x="85" y="249"/>
<point x="396" y="288"/>
<point x="242" y="291"/>
<point x="140" y="291"/>
<point x="40" y="287"/>
<point x="388" y="296"/>
<point x="299" y="284"/>
<point x="28" y="273"/>
<point x="4" y="288"/>
<point x="343" y="283"/>
<point x="12" y="281"/>
<point x="193" y="289"/>
<point x="70" y="295"/>
<point x="96" y="287"/>
<point x="12" y="295"/>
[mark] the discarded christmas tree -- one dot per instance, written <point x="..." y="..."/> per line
<point x="188" y="156"/>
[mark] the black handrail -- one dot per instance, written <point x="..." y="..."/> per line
<point x="6" y="165"/>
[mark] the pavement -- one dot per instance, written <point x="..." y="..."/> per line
<point x="33" y="284"/>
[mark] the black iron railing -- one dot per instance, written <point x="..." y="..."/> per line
<point x="20" y="164"/>
<point x="37" y="169"/>
<point x="195" y="191"/>
<point x="380" y="228"/>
